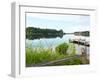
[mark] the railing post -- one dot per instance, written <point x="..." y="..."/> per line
<point x="84" y="56"/>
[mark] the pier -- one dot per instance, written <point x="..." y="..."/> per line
<point x="80" y="42"/>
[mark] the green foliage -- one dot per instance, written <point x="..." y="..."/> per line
<point x="37" y="33"/>
<point x="34" y="56"/>
<point x="62" y="48"/>
<point x="74" y="61"/>
<point x="41" y="55"/>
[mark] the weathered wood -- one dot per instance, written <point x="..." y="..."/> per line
<point x="84" y="56"/>
<point x="79" y="42"/>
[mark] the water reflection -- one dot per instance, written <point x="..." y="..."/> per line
<point x="45" y="36"/>
<point x="52" y="42"/>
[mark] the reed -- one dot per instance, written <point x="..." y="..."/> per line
<point x="43" y="55"/>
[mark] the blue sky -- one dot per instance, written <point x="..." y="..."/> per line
<point x="68" y="23"/>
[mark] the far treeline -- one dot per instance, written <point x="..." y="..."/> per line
<point x="82" y="33"/>
<point x="37" y="33"/>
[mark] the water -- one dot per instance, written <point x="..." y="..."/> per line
<point x="53" y="42"/>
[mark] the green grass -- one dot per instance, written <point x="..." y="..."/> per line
<point x="42" y="55"/>
<point x="74" y="61"/>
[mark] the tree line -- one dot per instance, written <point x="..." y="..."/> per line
<point x="82" y="33"/>
<point x="35" y="33"/>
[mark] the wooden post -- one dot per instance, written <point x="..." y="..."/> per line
<point x="84" y="56"/>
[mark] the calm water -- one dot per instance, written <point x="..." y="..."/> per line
<point x="53" y="42"/>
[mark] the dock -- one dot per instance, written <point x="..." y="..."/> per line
<point x="80" y="42"/>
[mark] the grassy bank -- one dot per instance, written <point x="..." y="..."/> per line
<point x="42" y="55"/>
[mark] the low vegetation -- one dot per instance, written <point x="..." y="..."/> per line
<point x="42" y="55"/>
<point x="62" y="48"/>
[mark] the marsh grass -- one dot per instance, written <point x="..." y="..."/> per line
<point x="34" y="56"/>
<point x="43" y="55"/>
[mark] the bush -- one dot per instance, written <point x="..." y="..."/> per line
<point x="62" y="48"/>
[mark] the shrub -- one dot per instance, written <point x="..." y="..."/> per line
<point x="62" y="48"/>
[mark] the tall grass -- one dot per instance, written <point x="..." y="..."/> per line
<point x="34" y="56"/>
<point x="42" y="55"/>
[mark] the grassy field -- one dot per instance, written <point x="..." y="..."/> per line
<point x="42" y="55"/>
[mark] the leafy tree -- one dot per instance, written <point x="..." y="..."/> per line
<point x="36" y="33"/>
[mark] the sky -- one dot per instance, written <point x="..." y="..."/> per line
<point x="68" y="23"/>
